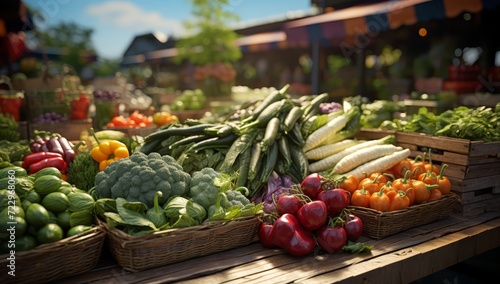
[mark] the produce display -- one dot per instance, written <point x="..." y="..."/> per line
<point x="189" y="100"/>
<point x="9" y="128"/>
<point x="47" y="209"/>
<point x="49" y="117"/>
<point x="293" y="163"/>
<point x="481" y="123"/>
<point x="134" y="119"/>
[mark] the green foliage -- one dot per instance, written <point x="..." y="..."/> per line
<point x="70" y="37"/>
<point x="209" y="40"/>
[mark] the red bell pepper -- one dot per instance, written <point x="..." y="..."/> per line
<point x="287" y="233"/>
<point x="56" y="162"/>
<point x="37" y="157"/>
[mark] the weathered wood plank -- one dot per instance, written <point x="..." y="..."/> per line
<point x="255" y="264"/>
<point x="408" y="265"/>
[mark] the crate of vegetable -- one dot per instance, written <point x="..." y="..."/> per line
<point x="155" y="213"/>
<point x="467" y="140"/>
<point x="378" y="224"/>
<point x="49" y="262"/>
<point x="136" y="253"/>
<point x="47" y="226"/>
<point x="71" y="129"/>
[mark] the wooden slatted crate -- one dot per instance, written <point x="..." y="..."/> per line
<point x="373" y="133"/>
<point x="473" y="167"/>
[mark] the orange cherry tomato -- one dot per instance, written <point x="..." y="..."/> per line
<point x="402" y="183"/>
<point x="361" y="197"/>
<point x="380" y="201"/>
<point x="435" y="194"/>
<point x="399" y="200"/>
<point x="349" y="183"/>
<point x="381" y="178"/>
<point x="443" y="182"/>
<point x="417" y="166"/>
<point x="428" y="177"/>
<point x="422" y="191"/>
<point x="120" y="121"/>
<point x="400" y="168"/>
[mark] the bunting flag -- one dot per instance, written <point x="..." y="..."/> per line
<point x="374" y="18"/>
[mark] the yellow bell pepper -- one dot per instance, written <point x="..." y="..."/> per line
<point x="108" y="151"/>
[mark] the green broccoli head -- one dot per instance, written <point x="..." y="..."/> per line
<point x="235" y="198"/>
<point x="138" y="177"/>
<point x="203" y="189"/>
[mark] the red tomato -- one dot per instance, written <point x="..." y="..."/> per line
<point x="312" y="215"/>
<point x="288" y="204"/>
<point x="263" y="235"/>
<point x="331" y="239"/>
<point x="353" y="227"/>
<point x="335" y="199"/>
<point x="287" y="233"/>
<point x="311" y="185"/>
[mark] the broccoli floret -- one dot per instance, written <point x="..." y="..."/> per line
<point x="140" y="176"/>
<point x="235" y="198"/>
<point x="203" y="189"/>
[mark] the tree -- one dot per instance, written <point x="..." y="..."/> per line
<point x="73" y="40"/>
<point x="209" y="40"/>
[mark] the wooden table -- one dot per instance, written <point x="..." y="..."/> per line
<point x="401" y="258"/>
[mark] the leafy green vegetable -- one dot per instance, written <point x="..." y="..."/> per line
<point x="481" y="123"/>
<point x="357" y="247"/>
<point x="82" y="171"/>
<point x="130" y="214"/>
<point x="156" y="214"/>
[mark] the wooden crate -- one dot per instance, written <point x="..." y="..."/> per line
<point x="71" y="129"/>
<point x="373" y="133"/>
<point x="131" y="131"/>
<point x="473" y="168"/>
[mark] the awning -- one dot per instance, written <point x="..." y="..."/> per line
<point x="374" y="18"/>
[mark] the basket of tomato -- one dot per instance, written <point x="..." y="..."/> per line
<point x="135" y="123"/>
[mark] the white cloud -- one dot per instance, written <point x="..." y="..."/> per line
<point x="132" y="17"/>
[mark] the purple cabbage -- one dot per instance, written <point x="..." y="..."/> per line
<point x="276" y="186"/>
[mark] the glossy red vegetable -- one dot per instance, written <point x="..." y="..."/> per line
<point x="288" y="204"/>
<point x="37" y="157"/>
<point x="302" y="242"/>
<point x="56" y="162"/>
<point x="312" y="215"/>
<point x="263" y="234"/>
<point x="331" y="239"/>
<point x="353" y="227"/>
<point x="311" y="185"/>
<point x="288" y="234"/>
<point x="335" y="199"/>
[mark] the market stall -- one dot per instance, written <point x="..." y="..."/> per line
<point x="275" y="185"/>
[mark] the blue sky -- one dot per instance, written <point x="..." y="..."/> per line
<point x="116" y="23"/>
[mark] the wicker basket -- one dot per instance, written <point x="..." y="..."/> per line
<point x="49" y="262"/>
<point x="136" y="253"/>
<point x="377" y="224"/>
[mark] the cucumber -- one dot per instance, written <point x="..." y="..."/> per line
<point x="47" y="184"/>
